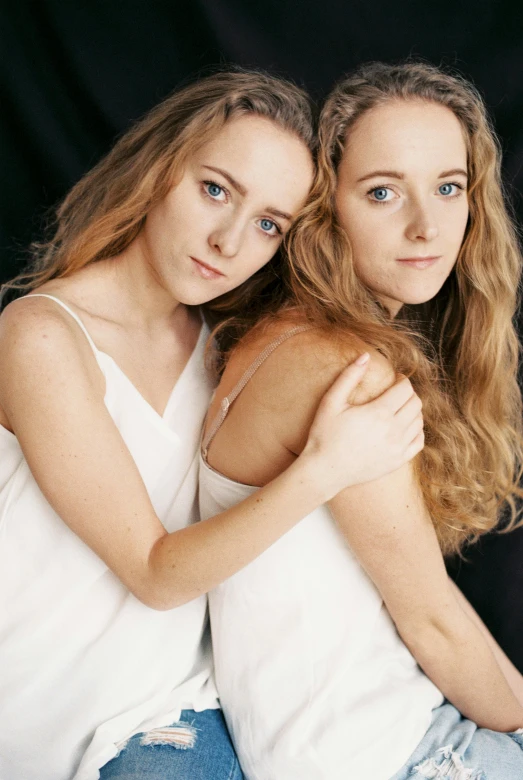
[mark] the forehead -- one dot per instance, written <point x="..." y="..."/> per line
<point x="258" y="153"/>
<point x="406" y="135"/>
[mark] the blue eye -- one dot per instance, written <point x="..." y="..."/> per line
<point x="267" y="225"/>
<point x="447" y="189"/>
<point x="380" y="194"/>
<point x="214" y="190"/>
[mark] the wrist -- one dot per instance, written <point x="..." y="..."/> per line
<point x="309" y="470"/>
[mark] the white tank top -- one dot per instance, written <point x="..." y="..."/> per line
<point x="314" y="681"/>
<point x="83" y="663"/>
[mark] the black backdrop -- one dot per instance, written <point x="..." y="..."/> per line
<point x="74" y="74"/>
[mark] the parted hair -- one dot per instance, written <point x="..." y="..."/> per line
<point x="461" y="349"/>
<point x="104" y="212"/>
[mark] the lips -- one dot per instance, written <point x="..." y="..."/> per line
<point x="205" y="270"/>
<point x="419" y="262"/>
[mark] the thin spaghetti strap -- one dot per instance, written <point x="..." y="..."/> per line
<point x="235" y="392"/>
<point x="69" y="311"/>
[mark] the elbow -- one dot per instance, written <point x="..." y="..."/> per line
<point x="430" y="638"/>
<point x="161" y="584"/>
<point x="156" y="595"/>
<point x="154" y="600"/>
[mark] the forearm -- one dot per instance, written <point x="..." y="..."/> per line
<point x="512" y="675"/>
<point x="187" y="563"/>
<point x="460" y="662"/>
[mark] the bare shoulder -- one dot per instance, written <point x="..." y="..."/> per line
<point x="285" y="391"/>
<point x="39" y="329"/>
<point x="306" y="363"/>
<point x="41" y="346"/>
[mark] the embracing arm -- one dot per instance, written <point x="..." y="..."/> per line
<point x="389" y="529"/>
<point x="52" y="398"/>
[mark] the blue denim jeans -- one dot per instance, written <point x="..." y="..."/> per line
<point x="197" y="747"/>
<point x="454" y="748"/>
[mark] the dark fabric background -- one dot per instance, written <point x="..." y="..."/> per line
<point x="73" y="75"/>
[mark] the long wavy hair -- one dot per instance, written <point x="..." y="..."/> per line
<point x="461" y="349"/>
<point x="104" y="212"/>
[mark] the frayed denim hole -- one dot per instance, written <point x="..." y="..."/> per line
<point x="450" y="767"/>
<point x="181" y="736"/>
<point x="120" y="746"/>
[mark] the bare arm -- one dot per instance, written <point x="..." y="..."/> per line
<point x="385" y="521"/>
<point x="389" y="529"/>
<point x="512" y="675"/>
<point x="51" y="395"/>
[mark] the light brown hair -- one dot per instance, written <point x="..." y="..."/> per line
<point x="460" y="350"/>
<point x="104" y="212"/>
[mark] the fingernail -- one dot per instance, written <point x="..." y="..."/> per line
<point x="362" y="359"/>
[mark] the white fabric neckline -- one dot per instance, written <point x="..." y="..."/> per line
<point x="132" y="667"/>
<point x="99" y="352"/>
<point x="226" y="480"/>
<point x="175" y="390"/>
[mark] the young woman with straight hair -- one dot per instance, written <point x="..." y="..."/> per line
<point x="336" y="649"/>
<point x="106" y="666"/>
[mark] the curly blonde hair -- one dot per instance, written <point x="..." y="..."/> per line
<point x="460" y="350"/>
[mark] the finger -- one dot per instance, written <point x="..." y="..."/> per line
<point x="414" y="429"/>
<point x="409" y="411"/>
<point x="415" y="447"/>
<point x="346" y="382"/>
<point x="396" y="396"/>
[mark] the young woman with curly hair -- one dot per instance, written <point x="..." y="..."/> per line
<point x="405" y="249"/>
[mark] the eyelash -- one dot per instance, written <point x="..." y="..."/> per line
<point x="460" y="187"/>
<point x="279" y="231"/>
<point x="373" y="189"/>
<point x="210" y="183"/>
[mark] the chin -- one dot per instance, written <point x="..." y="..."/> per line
<point x="195" y="300"/>
<point x="194" y="295"/>
<point x="417" y="297"/>
<point x="417" y="300"/>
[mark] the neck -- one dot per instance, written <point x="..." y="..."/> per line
<point x="393" y="307"/>
<point x="140" y="291"/>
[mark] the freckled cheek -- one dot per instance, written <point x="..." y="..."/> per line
<point x="455" y="229"/>
<point x="463" y="224"/>
<point x="367" y="255"/>
<point x="255" y="254"/>
<point x="200" y="215"/>
<point x="395" y="206"/>
<point x="368" y="238"/>
<point x="370" y="224"/>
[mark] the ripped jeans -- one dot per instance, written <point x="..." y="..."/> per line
<point x="197" y="747"/>
<point x="454" y="748"/>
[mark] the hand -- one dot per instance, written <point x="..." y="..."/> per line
<point x="355" y="444"/>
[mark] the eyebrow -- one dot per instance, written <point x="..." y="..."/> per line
<point x="401" y="176"/>
<point x="243" y="191"/>
<point x="453" y="172"/>
<point x="278" y="213"/>
<point x="386" y="174"/>
<point x="232" y="181"/>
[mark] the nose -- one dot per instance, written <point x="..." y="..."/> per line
<point x="226" y="238"/>
<point x="422" y="225"/>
